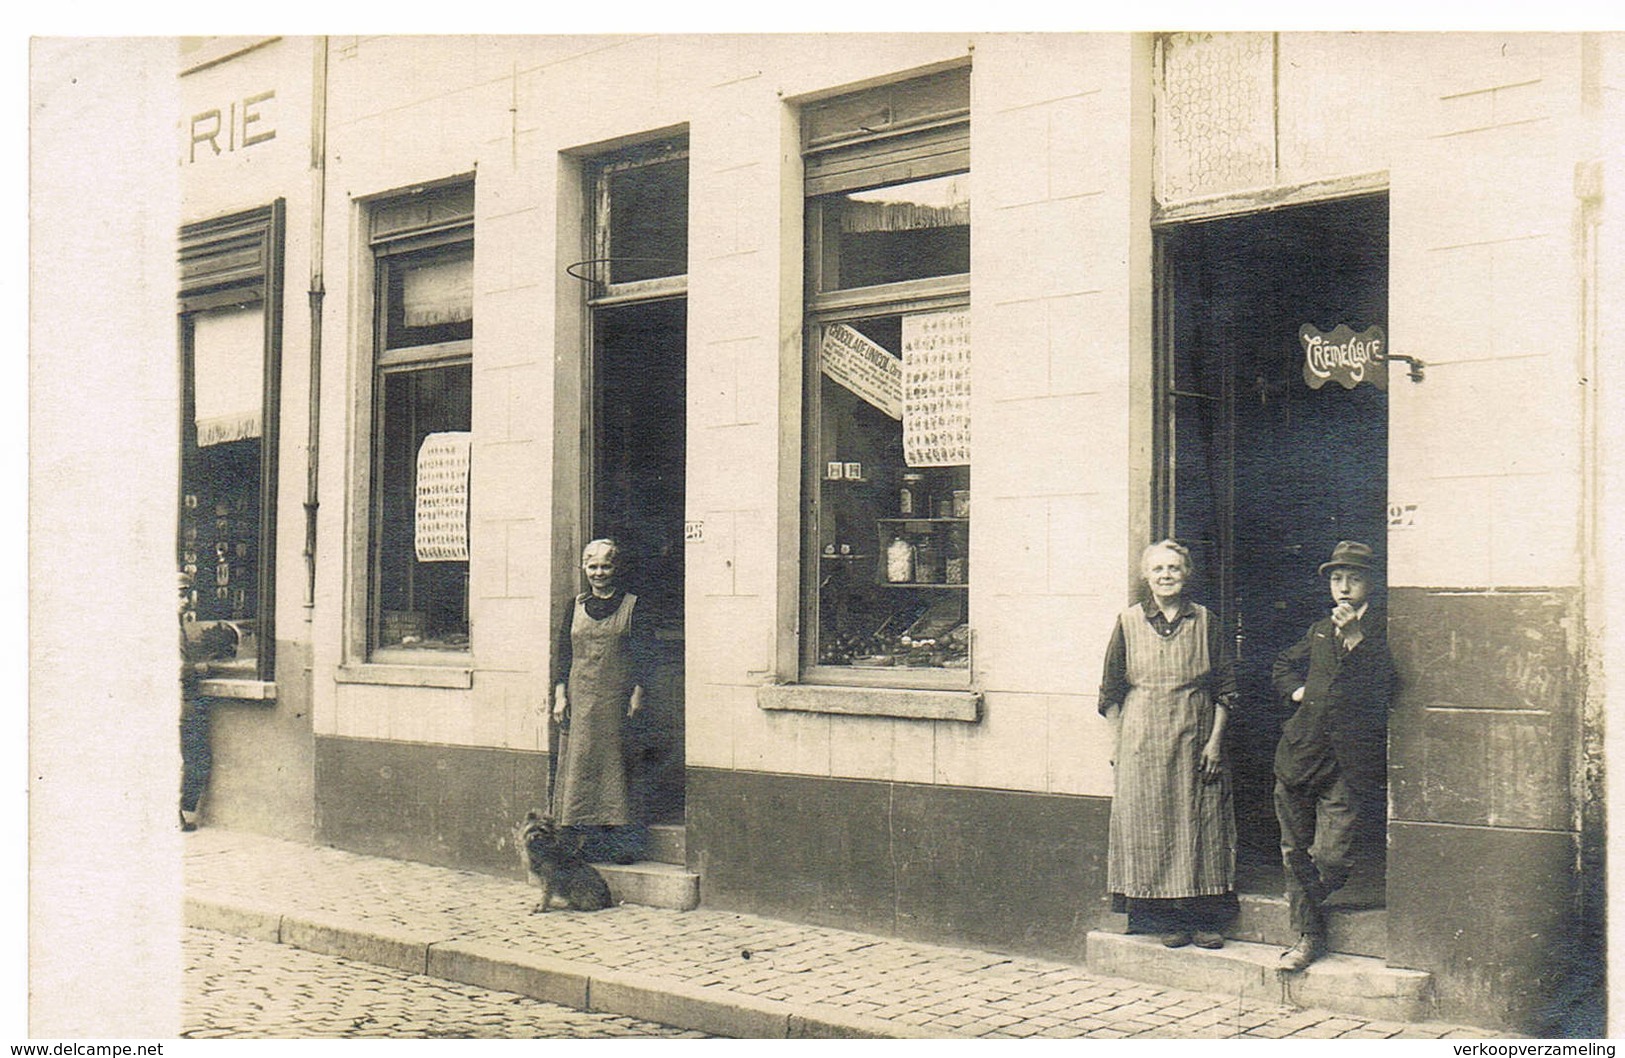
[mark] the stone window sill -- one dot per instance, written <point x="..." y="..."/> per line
<point x="259" y="691"/>
<point x="455" y="677"/>
<point x="872" y="701"/>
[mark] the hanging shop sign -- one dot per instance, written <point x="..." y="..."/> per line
<point x="441" y="532"/>
<point x="1344" y="356"/>
<point x="936" y="389"/>
<point x="863" y="367"/>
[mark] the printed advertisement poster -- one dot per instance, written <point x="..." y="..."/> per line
<point x="442" y="500"/>
<point x="864" y="368"/>
<point x="936" y="389"/>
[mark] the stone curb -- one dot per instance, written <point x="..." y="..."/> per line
<point x="583" y="986"/>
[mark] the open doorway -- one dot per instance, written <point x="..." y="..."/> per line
<point x="1259" y="473"/>
<point x="640" y="351"/>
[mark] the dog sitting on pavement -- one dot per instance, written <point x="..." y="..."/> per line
<point x="552" y="858"/>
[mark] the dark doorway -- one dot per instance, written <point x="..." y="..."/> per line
<point x="640" y="351"/>
<point x="1260" y="473"/>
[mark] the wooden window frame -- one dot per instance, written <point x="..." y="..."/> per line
<point x="238" y="260"/>
<point x="441" y="219"/>
<point x="607" y="291"/>
<point x="876" y="138"/>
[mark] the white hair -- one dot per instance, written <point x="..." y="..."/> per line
<point x="1172" y="547"/>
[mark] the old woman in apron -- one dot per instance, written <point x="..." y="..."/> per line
<point x="604" y="654"/>
<point x="1167" y="689"/>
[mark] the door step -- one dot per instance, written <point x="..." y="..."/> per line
<point x="1353" y="984"/>
<point x="661" y="880"/>
<point x="668" y="843"/>
<point x="1349" y="931"/>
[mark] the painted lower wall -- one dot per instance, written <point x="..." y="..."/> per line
<point x="1487" y="886"/>
<point x="263" y="779"/>
<point x="451" y="806"/>
<point x="990" y="869"/>
<point x="1493" y="914"/>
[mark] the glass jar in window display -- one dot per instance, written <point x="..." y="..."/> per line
<point x="900" y="560"/>
<point x="911" y="499"/>
<point x="928" y="561"/>
<point x="955" y="562"/>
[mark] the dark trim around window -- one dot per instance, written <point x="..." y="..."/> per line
<point x="238" y="259"/>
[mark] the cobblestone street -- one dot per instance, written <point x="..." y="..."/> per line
<point x="709" y="961"/>
<point x="257" y="989"/>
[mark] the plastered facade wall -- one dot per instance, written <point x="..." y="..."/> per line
<point x="1049" y="285"/>
<point x="1485" y="288"/>
<point x="1051" y="305"/>
<point x="1482" y="281"/>
<point x="1476" y="137"/>
<point x="262" y="746"/>
<point x="247" y="177"/>
<point x="406" y="112"/>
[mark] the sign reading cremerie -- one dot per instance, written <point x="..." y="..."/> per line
<point x="1345" y="356"/>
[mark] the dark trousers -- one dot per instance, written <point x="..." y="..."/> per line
<point x="1319" y="824"/>
<point x="197" y="759"/>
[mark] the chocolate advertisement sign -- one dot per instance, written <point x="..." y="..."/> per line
<point x="864" y="368"/>
<point x="1344" y="356"/>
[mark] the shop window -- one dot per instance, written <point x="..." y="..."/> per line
<point x="422" y="428"/>
<point x="230" y="346"/>
<point x="903" y="231"/>
<point x="887" y="543"/>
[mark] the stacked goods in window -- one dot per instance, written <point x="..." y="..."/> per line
<point x="956" y="564"/>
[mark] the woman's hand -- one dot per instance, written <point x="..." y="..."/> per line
<point x="561" y="703"/>
<point x="636" y="703"/>
<point x="1212" y="762"/>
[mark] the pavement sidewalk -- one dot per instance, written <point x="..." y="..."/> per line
<point x="716" y="972"/>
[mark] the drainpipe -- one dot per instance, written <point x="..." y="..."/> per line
<point x="318" y="213"/>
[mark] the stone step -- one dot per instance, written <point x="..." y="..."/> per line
<point x="1266" y="920"/>
<point x="668" y="844"/>
<point x="1352" y="984"/>
<point x="652" y="884"/>
<point x="1349" y="931"/>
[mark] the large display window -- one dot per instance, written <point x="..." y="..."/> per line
<point x="423" y="248"/>
<point x="888" y="481"/>
<point x="230" y="348"/>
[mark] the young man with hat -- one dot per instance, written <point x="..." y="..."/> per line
<point x="1331" y="763"/>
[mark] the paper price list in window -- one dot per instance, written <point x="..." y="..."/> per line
<point x="936" y="389"/>
<point x="442" y="498"/>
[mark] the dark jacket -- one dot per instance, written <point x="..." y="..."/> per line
<point x="192" y="652"/>
<point x="1342" y="722"/>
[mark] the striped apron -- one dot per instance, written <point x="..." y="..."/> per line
<point x="1171" y="835"/>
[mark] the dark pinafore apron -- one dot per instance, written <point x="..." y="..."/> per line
<point x="591" y="785"/>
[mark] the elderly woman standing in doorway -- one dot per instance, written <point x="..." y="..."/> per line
<point x="1167" y="689"/>
<point x="604" y="657"/>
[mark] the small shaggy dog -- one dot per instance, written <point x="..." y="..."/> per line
<point x="553" y="860"/>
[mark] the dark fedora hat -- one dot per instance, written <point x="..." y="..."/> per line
<point x="1350" y="554"/>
